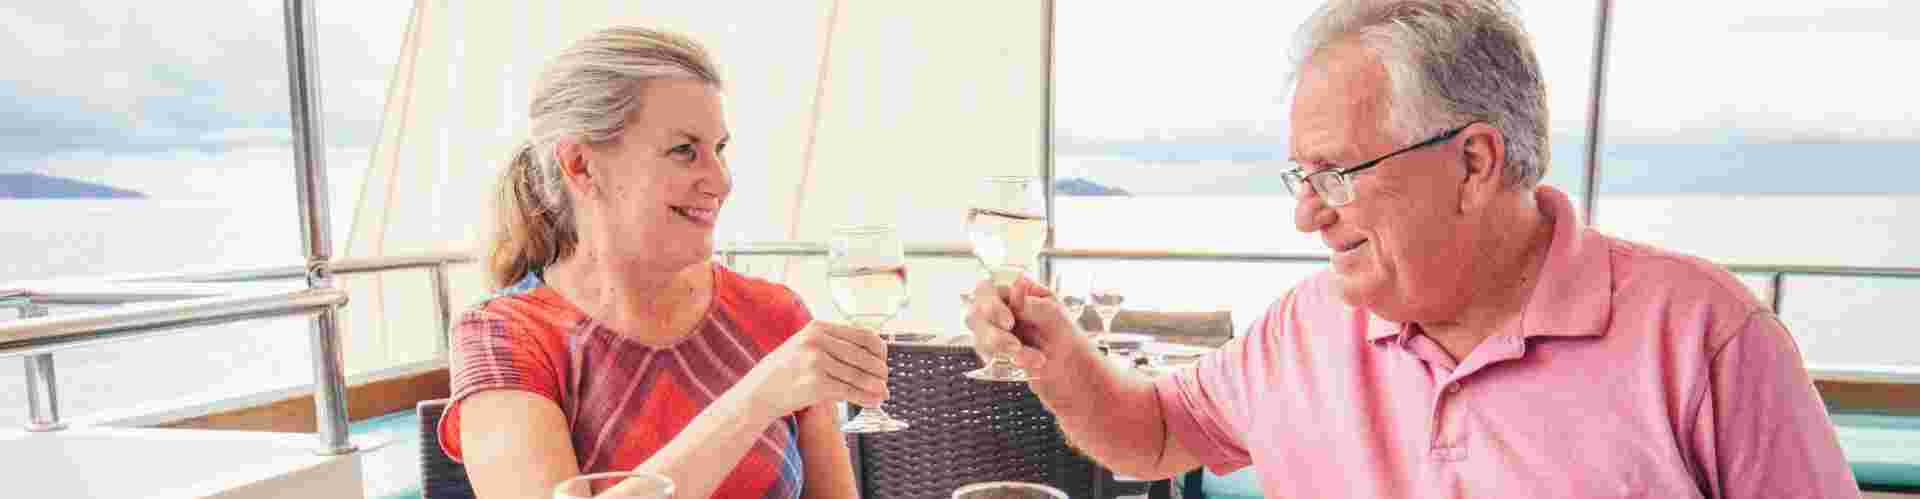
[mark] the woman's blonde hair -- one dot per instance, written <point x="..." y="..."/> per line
<point x="587" y="93"/>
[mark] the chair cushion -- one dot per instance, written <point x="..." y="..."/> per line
<point x="1884" y="450"/>
<point x="1239" y="484"/>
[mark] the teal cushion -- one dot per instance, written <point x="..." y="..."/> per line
<point x="391" y="471"/>
<point x="1241" y="484"/>
<point x="1884" y="450"/>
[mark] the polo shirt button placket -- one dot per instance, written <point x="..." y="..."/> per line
<point x="1448" y="453"/>
<point x="1447" y="445"/>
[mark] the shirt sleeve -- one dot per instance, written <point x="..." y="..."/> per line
<point x="492" y="352"/>
<point x="1204" y="407"/>
<point x="1762" y="428"/>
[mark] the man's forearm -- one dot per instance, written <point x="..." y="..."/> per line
<point x="1108" y="411"/>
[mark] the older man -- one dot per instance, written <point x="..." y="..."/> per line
<point x="1473" y="338"/>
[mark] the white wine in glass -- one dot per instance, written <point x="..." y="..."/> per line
<point x="869" y="296"/>
<point x="1007" y="242"/>
<point x="867" y="273"/>
<point x="1008" y="228"/>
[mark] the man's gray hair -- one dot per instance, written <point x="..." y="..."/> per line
<point x="1449" y="62"/>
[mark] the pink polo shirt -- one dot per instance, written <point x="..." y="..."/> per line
<point x="1633" y="372"/>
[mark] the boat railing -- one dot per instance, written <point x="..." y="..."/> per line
<point x="152" y="305"/>
<point x="157" y="304"/>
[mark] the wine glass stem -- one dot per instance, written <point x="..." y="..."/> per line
<point x="875" y="327"/>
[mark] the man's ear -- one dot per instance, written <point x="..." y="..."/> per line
<point x="1483" y="154"/>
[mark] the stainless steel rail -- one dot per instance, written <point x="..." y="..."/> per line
<point x="343" y="266"/>
<point x="132" y="288"/>
<point x="38" y="335"/>
<point x="1047" y="109"/>
<point x="43" y="394"/>
<point x="163" y="303"/>
<point x="330" y="384"/>
<point x="107" y="293"/>
<point x="1596" y="105"/>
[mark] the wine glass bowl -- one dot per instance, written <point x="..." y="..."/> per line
<point x="867" y="275"/>
<point x="1007" y="226"/>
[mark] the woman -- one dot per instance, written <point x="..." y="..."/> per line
<point x="616" y="345"/>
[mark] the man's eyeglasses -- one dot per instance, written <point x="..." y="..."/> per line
<point x="1335" y="185"/>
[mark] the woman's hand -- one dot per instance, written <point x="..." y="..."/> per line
<point x="824" y="362"/>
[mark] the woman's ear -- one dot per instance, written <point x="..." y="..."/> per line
<point x="571" y="156"/>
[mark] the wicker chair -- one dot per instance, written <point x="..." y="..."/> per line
<point x="440" y="476"/>
<point x="963" y="431"/>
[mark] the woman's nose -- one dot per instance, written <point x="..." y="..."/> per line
<point x="716" y="180"/>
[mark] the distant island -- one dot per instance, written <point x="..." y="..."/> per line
<point x="37" y="186"/>
<point x="1084" y="187"/>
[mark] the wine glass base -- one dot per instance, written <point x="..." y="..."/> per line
<point x="1000" y="372"/>
<point x="872" y="421"/>
<point x="906" y="337"/>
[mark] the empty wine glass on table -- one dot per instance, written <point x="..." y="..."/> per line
<point x="1008" y="227"/>
<point x="1072" y="297"/>
<point x="1105" y="300"/>
<point x="867" y="273"/>
<point x="615" y="485"/>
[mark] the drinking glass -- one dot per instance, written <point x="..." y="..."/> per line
<point x="1008" y="227"/>
<point x="867" y="273"/>
<point x="1072" y="296"/>
<point x="1008" y="490"/>
<point x="638" y="486"/>
<point x="1106" y="300"/>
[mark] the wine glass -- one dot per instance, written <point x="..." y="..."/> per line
<point x="1013" y="490"/>
<point x="867" y="273"/>
<point x="1106" y="302"/>
<point x="632" y="485"/>
<point x="1071" y="297"/>
<point x="1008" y="227"/>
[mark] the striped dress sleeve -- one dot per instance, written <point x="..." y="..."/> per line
<point x="491" y="351"/>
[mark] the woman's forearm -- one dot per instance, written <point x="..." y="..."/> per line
<point x="701" y="457"/>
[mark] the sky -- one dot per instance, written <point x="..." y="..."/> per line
<point x="124" y="76"/>
<point x="1691" y="71"/>
<point x="133" y="76"/>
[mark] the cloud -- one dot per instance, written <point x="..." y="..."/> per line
<point x="1679" y="71"/>
<point x="133" y="76"/>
